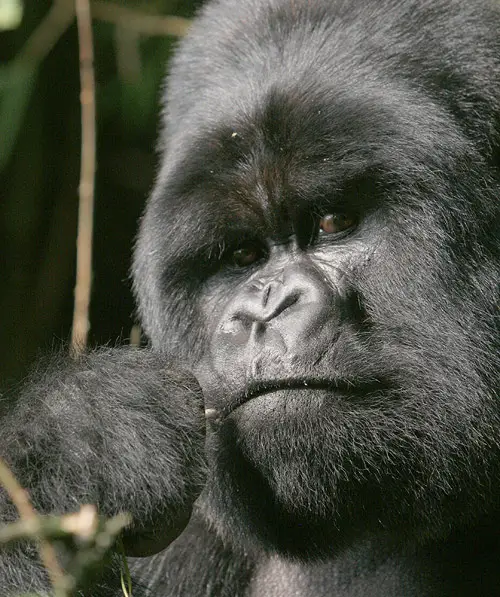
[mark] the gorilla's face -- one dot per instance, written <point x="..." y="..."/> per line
<point x="322" y="258"/>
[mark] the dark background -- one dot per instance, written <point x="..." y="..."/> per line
<point x="39" y="177"/>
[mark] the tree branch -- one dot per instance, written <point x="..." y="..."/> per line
<point x="83" y="286"/>
<point x="47" y="34"/>
<point x="29" y="517"/>
<point x="140" y="22"/>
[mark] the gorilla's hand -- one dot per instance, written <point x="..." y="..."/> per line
<point x="118" y="428"/>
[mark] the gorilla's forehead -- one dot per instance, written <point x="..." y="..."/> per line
<point x="344" y="45"/>
<point x="330" y="66"/>
<point x="258" y="133"/>
<point x="277" y="151"/>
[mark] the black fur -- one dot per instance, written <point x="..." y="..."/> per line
<point x="351" y="379"/>
<point x="118" y="429"/>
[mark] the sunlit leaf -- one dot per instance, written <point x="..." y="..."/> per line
<point x="11" y="14"/>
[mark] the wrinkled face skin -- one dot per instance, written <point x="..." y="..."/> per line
<point x="324" y="261"/>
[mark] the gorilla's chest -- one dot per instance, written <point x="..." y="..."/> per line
<point x="276" y="578"/>
<point x="352" y="577"/>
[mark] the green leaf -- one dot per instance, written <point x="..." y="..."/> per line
<point x="16" y="85"/>
<point x="11" y="14"/>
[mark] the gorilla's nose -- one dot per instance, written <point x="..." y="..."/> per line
<point x="275" y="312"/>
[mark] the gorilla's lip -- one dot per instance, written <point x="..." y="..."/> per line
<point x="347" y="388"/>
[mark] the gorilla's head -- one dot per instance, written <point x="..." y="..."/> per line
<point x="321" y="249"/>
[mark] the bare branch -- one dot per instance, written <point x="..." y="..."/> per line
<point x="48" y="33"/>
<point x="28" y="515"/>
<point x="146" y="24"/>
<point x="83" y="286"/>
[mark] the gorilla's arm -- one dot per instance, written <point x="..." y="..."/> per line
<point x="118" y="429"/>
<point x="198" y="563"/>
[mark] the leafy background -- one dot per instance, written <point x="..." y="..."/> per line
<point x="39" y="172"/>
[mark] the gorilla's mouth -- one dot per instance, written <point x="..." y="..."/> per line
<point x="348" y="389"/>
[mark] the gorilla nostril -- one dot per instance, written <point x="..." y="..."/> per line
<point x="258" y="329"/>
<point x="288" y="301"/>
<point x="265" y="295"/>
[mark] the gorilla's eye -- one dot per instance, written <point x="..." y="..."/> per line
<point x="246" y="255"/>
<point x="336" y="223"/>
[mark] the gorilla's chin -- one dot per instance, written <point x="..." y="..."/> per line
<point x="277" y="472"/>
<point x="303" y="471"/>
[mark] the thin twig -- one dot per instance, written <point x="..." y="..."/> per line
<point x="83" y="286"/>
<point x="21" y="501"/>
<point x="16" y="493"/>
<point x="147" y="24"/>
<point x="62" y="13"/>
<point x="47" y="34"/>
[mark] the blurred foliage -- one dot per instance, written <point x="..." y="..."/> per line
<point x="84" y="541"/>
<point x="16" y="84"/>
<point x="39" y="172"/>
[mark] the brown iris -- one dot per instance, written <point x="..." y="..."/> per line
<point x="246" y="255"/>
<point x="336" y="223"/>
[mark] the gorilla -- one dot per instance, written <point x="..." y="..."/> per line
<point x="317" y="412"/>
